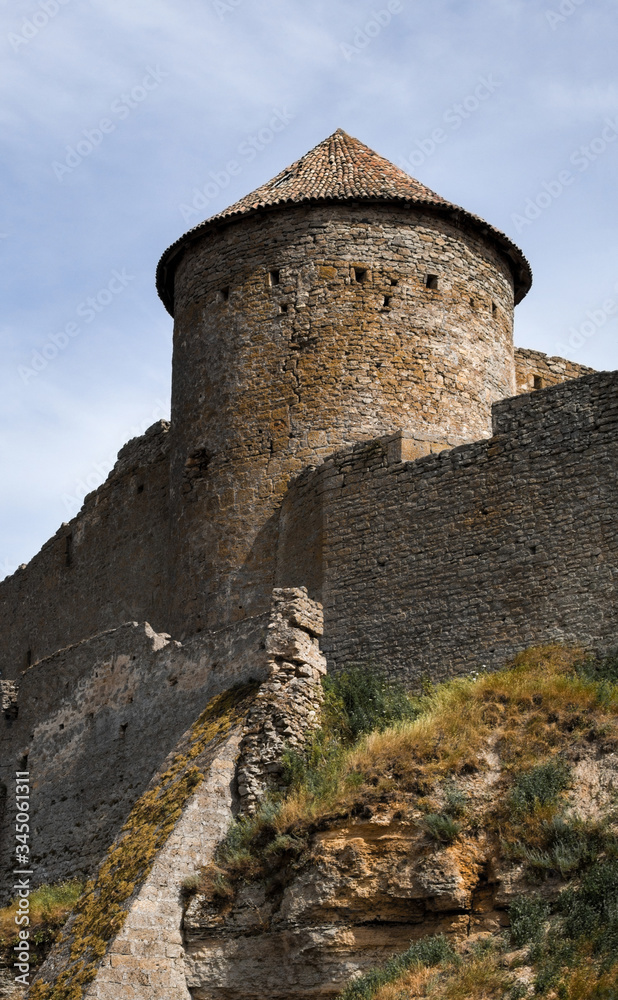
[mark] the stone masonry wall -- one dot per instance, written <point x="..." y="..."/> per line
<point x="460" y="559"/>
<point x="288" y="702"/>
<point x="535" y="370"/>
<point x="146" y="959"/>
<point x="301" y="332"/>
<point x="93" y="723"/>
<point x="105" y="567"/>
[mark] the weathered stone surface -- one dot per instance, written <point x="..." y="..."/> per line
<point x="94" y="723"/>
<point x="288" y="703"/>
<point x="462" y="558"/>
<point x="260" y="393"/>
<point x="535" y="370"/>
<point x="147" y="959"/>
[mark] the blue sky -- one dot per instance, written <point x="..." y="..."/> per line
<point x="118" y="121"/>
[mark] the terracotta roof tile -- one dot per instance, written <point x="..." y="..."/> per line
<point x="342" y="168"/>
<point x="338" y="168"/>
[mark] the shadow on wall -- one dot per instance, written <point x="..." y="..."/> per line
<point x="301" y="537"/>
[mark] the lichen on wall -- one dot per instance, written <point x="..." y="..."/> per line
<point x="102" y="910"/>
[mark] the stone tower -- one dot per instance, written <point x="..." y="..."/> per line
<point x="339" y="302"/>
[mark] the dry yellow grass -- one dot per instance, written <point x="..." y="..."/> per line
<point x="473" y="978"/>
<point x="50" y="905"/>
<point x="529" y="711"/>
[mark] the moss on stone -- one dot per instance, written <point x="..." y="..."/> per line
<point x="102" y="909"/>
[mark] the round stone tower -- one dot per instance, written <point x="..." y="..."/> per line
<point x="339" y="302"/>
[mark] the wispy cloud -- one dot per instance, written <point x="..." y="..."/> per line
<point x="118" y="206"/>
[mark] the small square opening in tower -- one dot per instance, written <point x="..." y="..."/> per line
<point x="283" y="308"/>
<point x="394" y="282"/>
<point x="539" y="382"/>
<point x="223" y="294"/>
<point x="360" y="274"/>
<point x="431" y="281"/>
<point x="386" y="302"/>
<point x="274" y="277"/>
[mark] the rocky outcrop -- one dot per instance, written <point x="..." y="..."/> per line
<point x="370" y="886"/>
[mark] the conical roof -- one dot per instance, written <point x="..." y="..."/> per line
<point x="342" y="168"/>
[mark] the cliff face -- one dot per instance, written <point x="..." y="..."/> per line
<point x="389" y="868"/>
<point x="370" y="887"/>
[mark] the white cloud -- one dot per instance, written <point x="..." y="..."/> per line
<point x="120" y="206"/>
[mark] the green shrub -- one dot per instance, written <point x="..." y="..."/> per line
<point x="430" y="952"/>
<point x="455" y="800"/>
<point x="591" y="910"/>
<point x="441" y="827"/>
<point x="603" y="670"/>
<point x="541" y="786"/>
<point x="368" y="700"/>
<point x="528" y="915"/>
<point x="359" y="700"/>
<point x="189" y="886"/>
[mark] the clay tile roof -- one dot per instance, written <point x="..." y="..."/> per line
<point x="338" y="168"/>
<point x="342" y="168"/>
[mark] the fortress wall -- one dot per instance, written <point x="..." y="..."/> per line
<point x="108" y="565"/>
<point x="302" y="331"/>
<point x="97" y="719"/>
<point x="535" y="370"/>
<point x="462" y="558"/>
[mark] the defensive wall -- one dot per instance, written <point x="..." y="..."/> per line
<point x="111" y="563"/>
<point x="98" y="720"/>
<point x="459" y="559"/>
<point x="427" y="560"/>
<point x="92" y="724"/>
<point x="107" y="566"/>
<point x="535" y="370"/>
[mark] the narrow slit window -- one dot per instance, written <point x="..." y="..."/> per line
<point x="494" y="309"/>
<point x="387" y="301"/>
<point x="431" y="281"/>
<point x="275" y="277"/>
<point x="360" y="274"/>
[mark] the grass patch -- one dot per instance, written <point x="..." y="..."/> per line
<point x="427" y="953"/>
<point x="50" y="906"/>
<point x="541" y="786"/>
<point x="574" y="943"/>
<point x="438" y="972"/>
<point x="528" y="915"/>
<point x="442" y="828"/>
